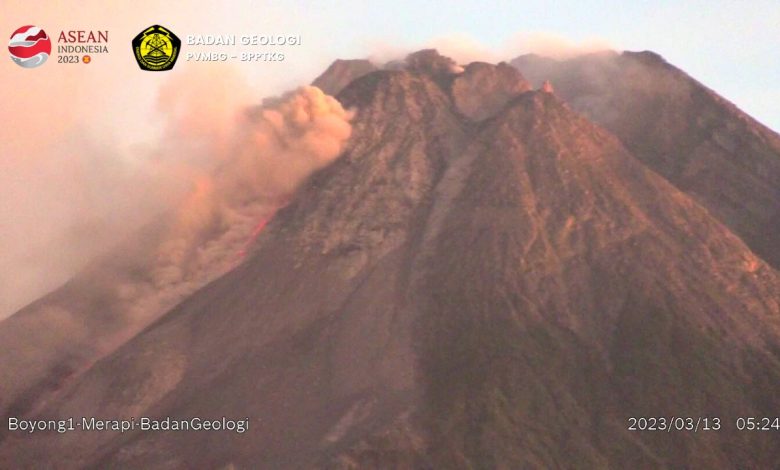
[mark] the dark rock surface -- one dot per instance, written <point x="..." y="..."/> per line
<point x="497" y="286"/>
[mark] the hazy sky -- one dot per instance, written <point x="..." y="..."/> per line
<point x="731" y="46"/>
<point x="79" y="142"/>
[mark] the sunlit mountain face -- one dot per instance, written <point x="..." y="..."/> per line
<point x="426" y="264"/>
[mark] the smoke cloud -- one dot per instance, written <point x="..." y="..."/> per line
<point x="465" y="49"/>
<point x="217" y="169"/>
<point x="85" y="165"/>
<point x="274" y="148"/>
<point x="552" y="45"/>
<point x="255" y="167"/>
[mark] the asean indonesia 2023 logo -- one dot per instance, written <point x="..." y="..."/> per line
<point x="156" y="49"/>
<point x="29" y="46"/>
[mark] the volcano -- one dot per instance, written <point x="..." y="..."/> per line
<point x="703" y="144"/>
<point x="488" y="276"/>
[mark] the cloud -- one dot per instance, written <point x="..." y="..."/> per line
<point x="84" y="162"/>
<point x="464" y="48"/>
<point x="273" y="150"/>
<point x="214" y="162"/>
<point x="552" y="45"/>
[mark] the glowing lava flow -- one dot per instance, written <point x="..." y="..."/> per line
<point x="258" y="228"/>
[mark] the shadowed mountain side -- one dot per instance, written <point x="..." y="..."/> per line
<point x="702" y="143"/>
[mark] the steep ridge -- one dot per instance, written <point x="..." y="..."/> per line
<point x="699" y="141"/>
<point x="454" y="293"/>
<point x="341" y="348"/>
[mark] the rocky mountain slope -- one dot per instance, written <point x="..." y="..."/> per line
<point x="466" y="286"/>
<point x="699" y="141"/>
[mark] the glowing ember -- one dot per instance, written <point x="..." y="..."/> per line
<point x="255" y="233"/>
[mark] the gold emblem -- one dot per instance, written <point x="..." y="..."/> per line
<point x="156" y="49"/>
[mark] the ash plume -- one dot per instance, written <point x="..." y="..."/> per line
<point x="218" y="172"/>
<point x="216" y="178"/>
<point x="274" y="148"/>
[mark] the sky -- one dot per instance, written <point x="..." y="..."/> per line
<point x="80" y="144"/>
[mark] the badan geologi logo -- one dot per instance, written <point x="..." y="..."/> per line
<point x="29" y="46"/>
<point x="156" y="49"/>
